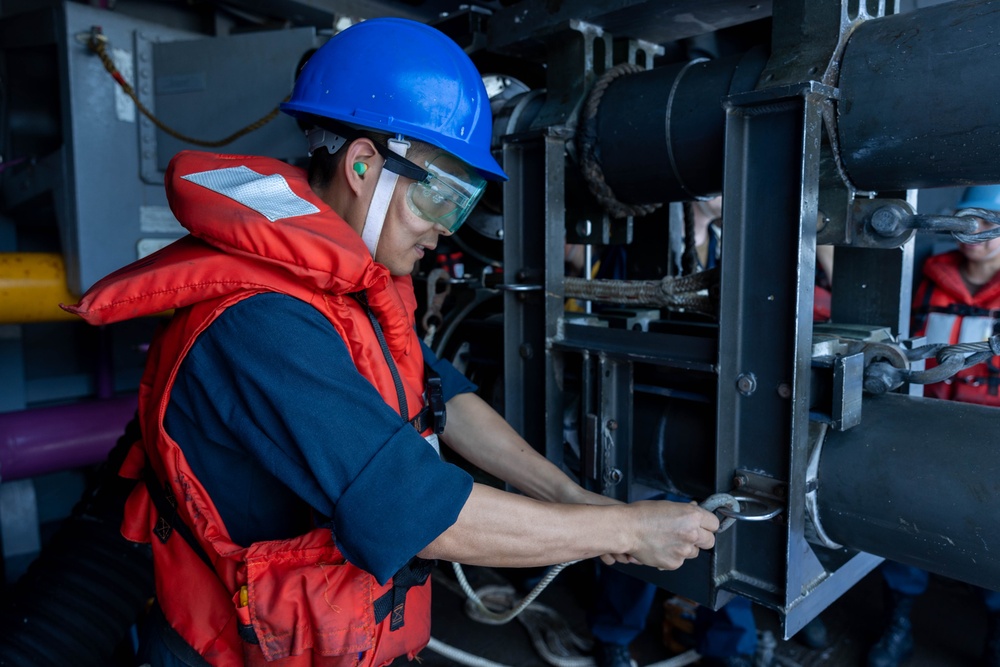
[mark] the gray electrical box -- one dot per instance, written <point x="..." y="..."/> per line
<point x="92" y="154"/>
<point x="211" y="88"/>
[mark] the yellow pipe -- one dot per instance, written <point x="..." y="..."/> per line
<point x="32" y="285"/>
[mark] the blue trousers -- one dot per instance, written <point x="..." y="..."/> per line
<point x="910" y="580"/>
<point x="623" y="603"/>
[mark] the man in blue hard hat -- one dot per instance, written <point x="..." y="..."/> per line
<point x="293" y="492"/>
<point x="957" y="301"/>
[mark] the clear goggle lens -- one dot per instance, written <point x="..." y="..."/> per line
<point x="448" y="194"/>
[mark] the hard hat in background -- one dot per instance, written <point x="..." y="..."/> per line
<point x="981" y="196"/>
<point x="398" y="76"/>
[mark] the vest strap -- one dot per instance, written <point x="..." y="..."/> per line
<point x="362" y="298"/>
<point x="169" y="521"/>
<point x="393" y="601"/>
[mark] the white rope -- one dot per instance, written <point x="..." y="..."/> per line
<point x="553" y="639"/>
<point x="689" y="657"/>
<point x="460" y="656"/>
<point x="484" y="614"/>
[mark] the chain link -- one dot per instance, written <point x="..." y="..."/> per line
<point x="881" y="375"/>
<point x="890" y="220"/>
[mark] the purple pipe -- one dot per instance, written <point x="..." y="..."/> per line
<point x="43" y="440"/>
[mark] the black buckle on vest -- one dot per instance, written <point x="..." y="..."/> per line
<point x="422" y="421"/>
<point x="435" y="414"/>
<point x="435" y="398"/>
<point x="412" y="574"/>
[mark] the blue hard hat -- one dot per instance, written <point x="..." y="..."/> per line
<point x="401" y="77"/>
<point x="981" y="196"/>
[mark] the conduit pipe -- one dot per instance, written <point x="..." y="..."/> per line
<point x="32" y="285"/>
<point x="43" y="440"/>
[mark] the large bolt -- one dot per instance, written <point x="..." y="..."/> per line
<point x="746" y="383"/>
<point x="885" y="221"/>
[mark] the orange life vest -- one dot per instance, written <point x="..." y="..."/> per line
<point x="945" y="312"/>
<point x="256" y="227"/>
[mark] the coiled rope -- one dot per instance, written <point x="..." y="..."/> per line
<point x="552" y="638"/>
<point x="587" y="137"/>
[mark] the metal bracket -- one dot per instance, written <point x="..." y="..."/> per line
<point x="753" y="487"/>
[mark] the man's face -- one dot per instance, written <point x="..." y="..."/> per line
<point x="981" y="252"/>
<point x="405" y="237"/>
<point x="419" y="213"/>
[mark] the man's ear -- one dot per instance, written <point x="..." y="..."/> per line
<point x="360" y="165"/>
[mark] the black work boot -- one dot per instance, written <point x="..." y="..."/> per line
<point x="991" y="652"/>
<point x="896" y="643"/>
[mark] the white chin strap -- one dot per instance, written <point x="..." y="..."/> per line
<point x="380" y="199"/>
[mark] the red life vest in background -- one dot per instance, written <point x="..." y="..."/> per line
<point x="256" y="227"/>
<point x="945" y="312"/>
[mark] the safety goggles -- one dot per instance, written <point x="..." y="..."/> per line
<point x="448" y="193"/>
<point x="444" y="190"/>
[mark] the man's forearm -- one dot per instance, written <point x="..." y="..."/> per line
<point x="479" y="434"/>
<point x="501" y="529"/>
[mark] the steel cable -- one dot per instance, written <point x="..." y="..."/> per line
<point x="98" y="44"/>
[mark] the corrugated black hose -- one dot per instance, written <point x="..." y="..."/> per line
<point x="77" y="601"/>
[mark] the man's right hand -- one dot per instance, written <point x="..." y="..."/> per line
<point x="668" y="533"/>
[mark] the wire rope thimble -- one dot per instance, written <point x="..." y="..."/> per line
<point x="718" y="501"/>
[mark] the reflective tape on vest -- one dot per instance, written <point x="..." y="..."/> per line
<point x="270" y="196"/>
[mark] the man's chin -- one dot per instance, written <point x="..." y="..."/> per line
<point x="397" y="271"/>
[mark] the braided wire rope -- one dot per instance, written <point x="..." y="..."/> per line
<point x="881" y="375"/>
<point x="691" y="292"/>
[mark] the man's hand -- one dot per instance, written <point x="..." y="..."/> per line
<point x="668" y="533"/>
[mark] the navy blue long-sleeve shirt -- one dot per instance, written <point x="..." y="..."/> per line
<point x="274" y="418"/>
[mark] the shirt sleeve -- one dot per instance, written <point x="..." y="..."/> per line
<point x="271" y="379"/>
<point x="453" y="383"/>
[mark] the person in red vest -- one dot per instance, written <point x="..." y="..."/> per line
<point x="957" y="301"/>
<point x="291" y="484"/>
